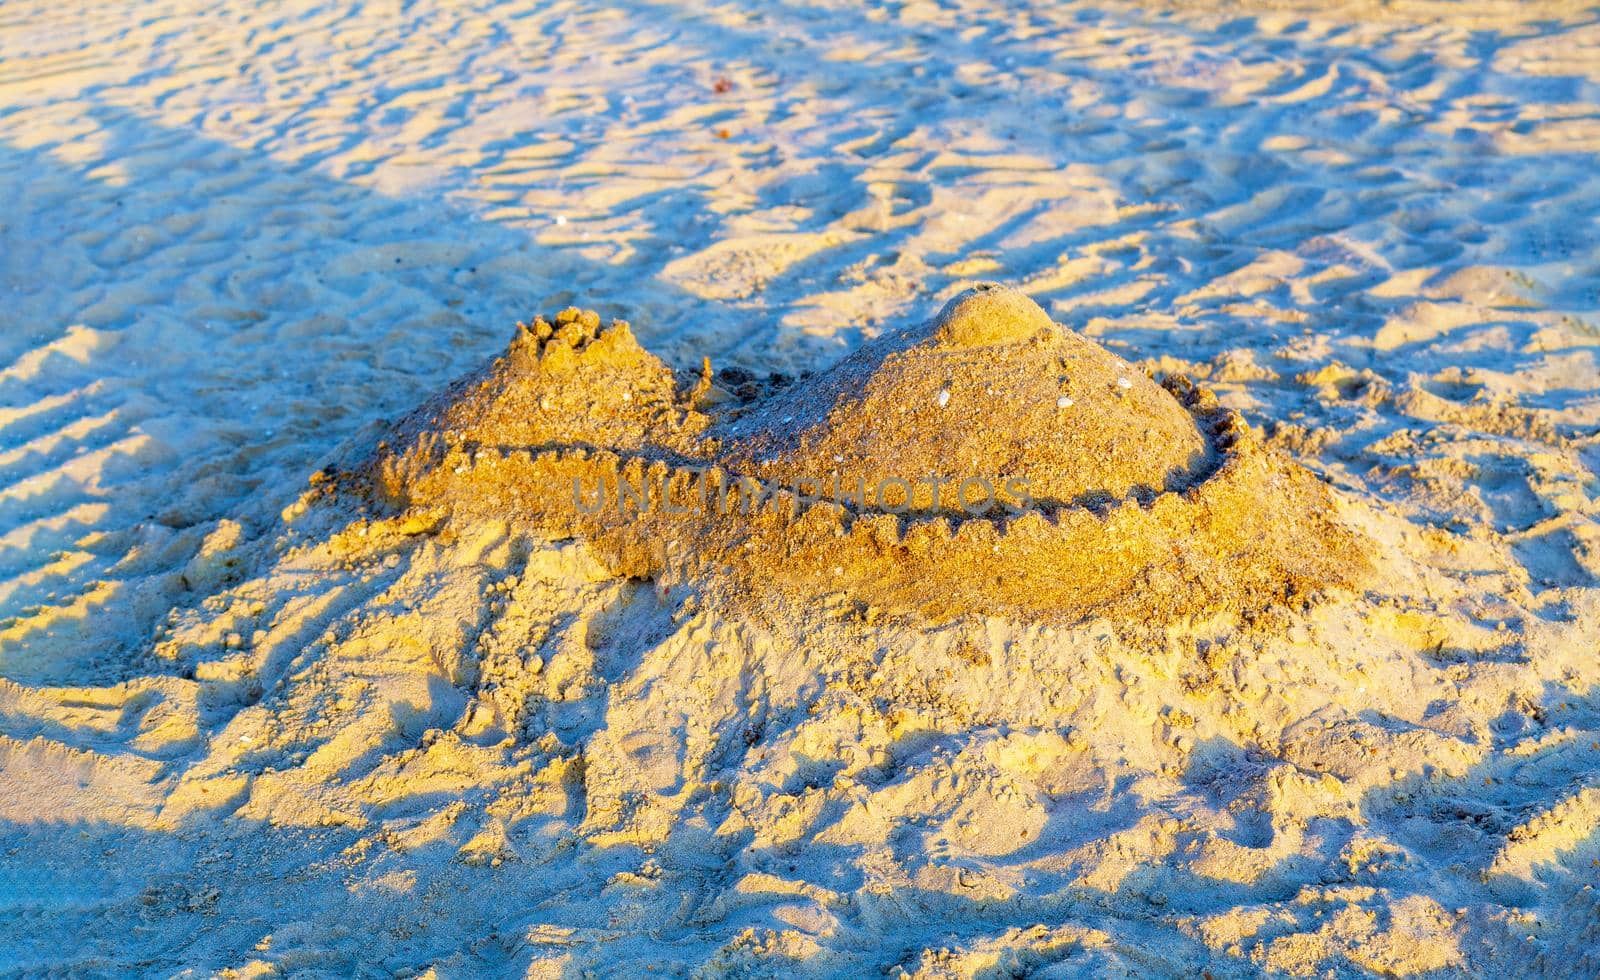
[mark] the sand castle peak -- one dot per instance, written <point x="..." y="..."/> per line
<point x="990" y="313"/>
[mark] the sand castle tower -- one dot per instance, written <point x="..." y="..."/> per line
<point x="989" y="391"/>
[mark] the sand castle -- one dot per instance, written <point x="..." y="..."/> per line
<point x="989" y="461"/>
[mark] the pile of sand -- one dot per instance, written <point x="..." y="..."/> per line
<point x="986" y="462"/>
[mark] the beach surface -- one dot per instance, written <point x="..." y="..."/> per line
<point x="243" y="733"/>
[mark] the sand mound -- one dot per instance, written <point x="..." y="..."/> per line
<point x="988" y="461"/>
<point x="566" y="381"/>
<point x="991" y="389"/>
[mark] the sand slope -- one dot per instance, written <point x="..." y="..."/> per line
<point x="234" y="238"/>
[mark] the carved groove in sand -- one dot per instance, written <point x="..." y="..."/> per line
<point x="1148" y="500"/>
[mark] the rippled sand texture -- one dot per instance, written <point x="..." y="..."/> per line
<point x="233" y="238"/>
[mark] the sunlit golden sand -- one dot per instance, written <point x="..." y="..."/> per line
<point x="1285" y="669"/>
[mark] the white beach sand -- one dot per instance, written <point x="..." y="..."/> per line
<point x="239" y="738"/>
